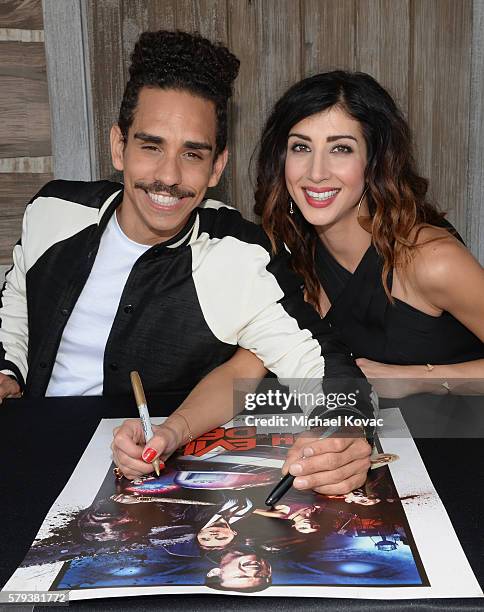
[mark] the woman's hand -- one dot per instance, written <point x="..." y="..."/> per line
<point x="394" y="381"/>
<point x="333" y="466"/>
<point x="133" y="456"/>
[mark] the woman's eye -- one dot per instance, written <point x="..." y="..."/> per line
<point x="298" y="147"/>
<point x="342" y="149"/>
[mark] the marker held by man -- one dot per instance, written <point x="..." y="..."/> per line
<point x="285" y="483"/>
<point x="144" y="415"/>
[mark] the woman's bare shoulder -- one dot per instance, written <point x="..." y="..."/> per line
<point x="440" y="262"/>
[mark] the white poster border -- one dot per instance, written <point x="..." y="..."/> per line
<point x="437" y="543"/>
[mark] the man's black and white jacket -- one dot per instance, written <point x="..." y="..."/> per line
<point x="186" y="306"/>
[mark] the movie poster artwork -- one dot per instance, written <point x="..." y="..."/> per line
<point x="203" y="526"/>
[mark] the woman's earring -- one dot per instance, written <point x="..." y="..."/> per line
<point x="363" y="220"/>
<point x="361" y="200"/>
<point x="291" y="208"/>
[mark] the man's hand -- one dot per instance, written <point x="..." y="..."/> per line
<point x="8" y="387"/>
<point x="333" y="466"/>
<point x="130" y="453"/>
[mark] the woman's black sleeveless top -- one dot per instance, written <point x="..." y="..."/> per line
<point x="396" y="333"/>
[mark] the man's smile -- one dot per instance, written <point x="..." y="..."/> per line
<point x="164" y="202"/>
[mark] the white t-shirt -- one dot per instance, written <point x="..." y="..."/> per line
<point x="78" y="368"/>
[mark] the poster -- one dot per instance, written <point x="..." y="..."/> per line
<point x="203" y="527"/>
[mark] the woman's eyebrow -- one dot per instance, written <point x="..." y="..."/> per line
<point x="328" y="139"/>
<point x="339" y="136"/>
<point x="301" y="136"/>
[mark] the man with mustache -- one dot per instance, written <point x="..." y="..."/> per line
<point x="240" y="570"/>
<point x="149" y="276"/>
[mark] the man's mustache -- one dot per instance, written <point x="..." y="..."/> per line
<point x="158" y="187"/>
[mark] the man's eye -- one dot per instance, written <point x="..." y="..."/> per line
<point x="150" y="148"/>
<point x="298" y="148"/>
<point x="192" y="155"/>
<point x="342" y="149"/>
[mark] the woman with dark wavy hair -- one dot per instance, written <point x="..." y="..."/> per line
<point x="337" y="184"/>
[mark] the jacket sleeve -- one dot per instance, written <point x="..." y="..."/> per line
<point x="304" y="352"/>
<point x="14" y="332"/>
<point x="251" y="297"/>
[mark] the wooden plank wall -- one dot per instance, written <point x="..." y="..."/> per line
<point x="25" y="142"/>
<point x="475" y="173"/>
<point x="428" y="53"/>
<point x="67" y="55"/>
<point x="419" y="49"/>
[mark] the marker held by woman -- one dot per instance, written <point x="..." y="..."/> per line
<point x="144" y="415"/>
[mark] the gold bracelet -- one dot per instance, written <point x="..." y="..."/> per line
<point x="445" y="384"/>
<point x="190" y="435"/>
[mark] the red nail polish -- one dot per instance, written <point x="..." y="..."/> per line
<point x="149" y="455"/>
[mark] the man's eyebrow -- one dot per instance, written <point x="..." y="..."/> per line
<point x="188" y="144"/>
<point x="149" y="138"/>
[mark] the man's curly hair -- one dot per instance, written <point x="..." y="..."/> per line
<point x="181" y="61"/>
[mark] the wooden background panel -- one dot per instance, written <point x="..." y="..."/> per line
<point x="26" y="60"/>
<point x="418" y="49"/>
<point x="134" y="20"/>
<point x="107" y="74"/>
<point x="208" y="17"/>
<point x="247" y="116"/>
<point x="382" y="44"/>
<point x="15" y="191"/>
<point x="24" y="100"/>
<point x="66" y="48"/>
<point x="281" y="58"/>
<point x="139" y="16"/>
<point x="270" y="62"/>
<point x="280" y="67"/>
<point x="328" y="35"/>
<point x="151" y="15"/>
<point x="29" y="165"/>
<point x="21" y="14"/>
<point x="439" y="99"/>
<point x="475" y="172"/>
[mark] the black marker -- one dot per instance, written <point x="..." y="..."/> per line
<point x="286" y="483"/>
<point x="280" y="489"/>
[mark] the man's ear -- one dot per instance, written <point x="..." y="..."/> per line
<point x="117" y="147"/>
<point x="218" y="167"/>
<point x="216" y="571"/>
